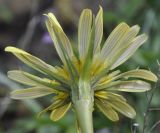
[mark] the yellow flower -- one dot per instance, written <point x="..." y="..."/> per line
<point x="87" y="76"/>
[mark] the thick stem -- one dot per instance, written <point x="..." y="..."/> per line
<point x="83" y="109"/>
<point x="83" y="101"/>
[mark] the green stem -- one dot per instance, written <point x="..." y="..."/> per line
<point x="83" y="101"/>
<point x="83" y="109"/>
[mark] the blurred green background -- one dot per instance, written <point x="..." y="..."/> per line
<point x="23" y="25"/>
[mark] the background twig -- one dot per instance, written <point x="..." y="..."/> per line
<point x="149" y="102"/>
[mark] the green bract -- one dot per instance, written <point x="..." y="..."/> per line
<point x="87" y="76"/>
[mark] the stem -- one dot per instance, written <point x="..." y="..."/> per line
<point x="150" y="100"/>
<point x="83" y="109"/>
<point x="83" y="101"/>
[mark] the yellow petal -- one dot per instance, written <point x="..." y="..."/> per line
<point x="59" y="112"/>
<point x="31" y="93"/>
<point x="56" y="104"/>
<point x="59" y="37"/>
<point x="139" y="73"/>
<point x="53" y="19"/>
<point x="98" y="30"/>
<point x="129" y="51"/>
<point x="109" y="95"/>
<point x="29" y="59"/>
<point x="107" y="110"/>
<point x="84" y="31"/>
<point x="107" y="79"/>
<point x="113" y="39"/>
<point x="63" y="72"/>
<point x="122" y="45"/>
<point x="122" y="107"/>
<point x="35" y="63"/>
<point x="18" y="76"/>
<point x="31" y="80"/>
<point x="62" y="45"/>
<point x="131" y="86"/>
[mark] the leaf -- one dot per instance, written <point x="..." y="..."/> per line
<point x="59" y="112"/>
<point x="36" y="63"/>
<point x="122" y="107"/>
<point x="31" y="93"/>
<point x="84" y="31"/>
<point x="130" y="86"/>
<point x="107" y="110"/>
<point x="98" y="30"/>
<point x="139" y="73"/>
<point x="134" y="45"/>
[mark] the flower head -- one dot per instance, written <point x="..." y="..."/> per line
<point x="88" y="70"/>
